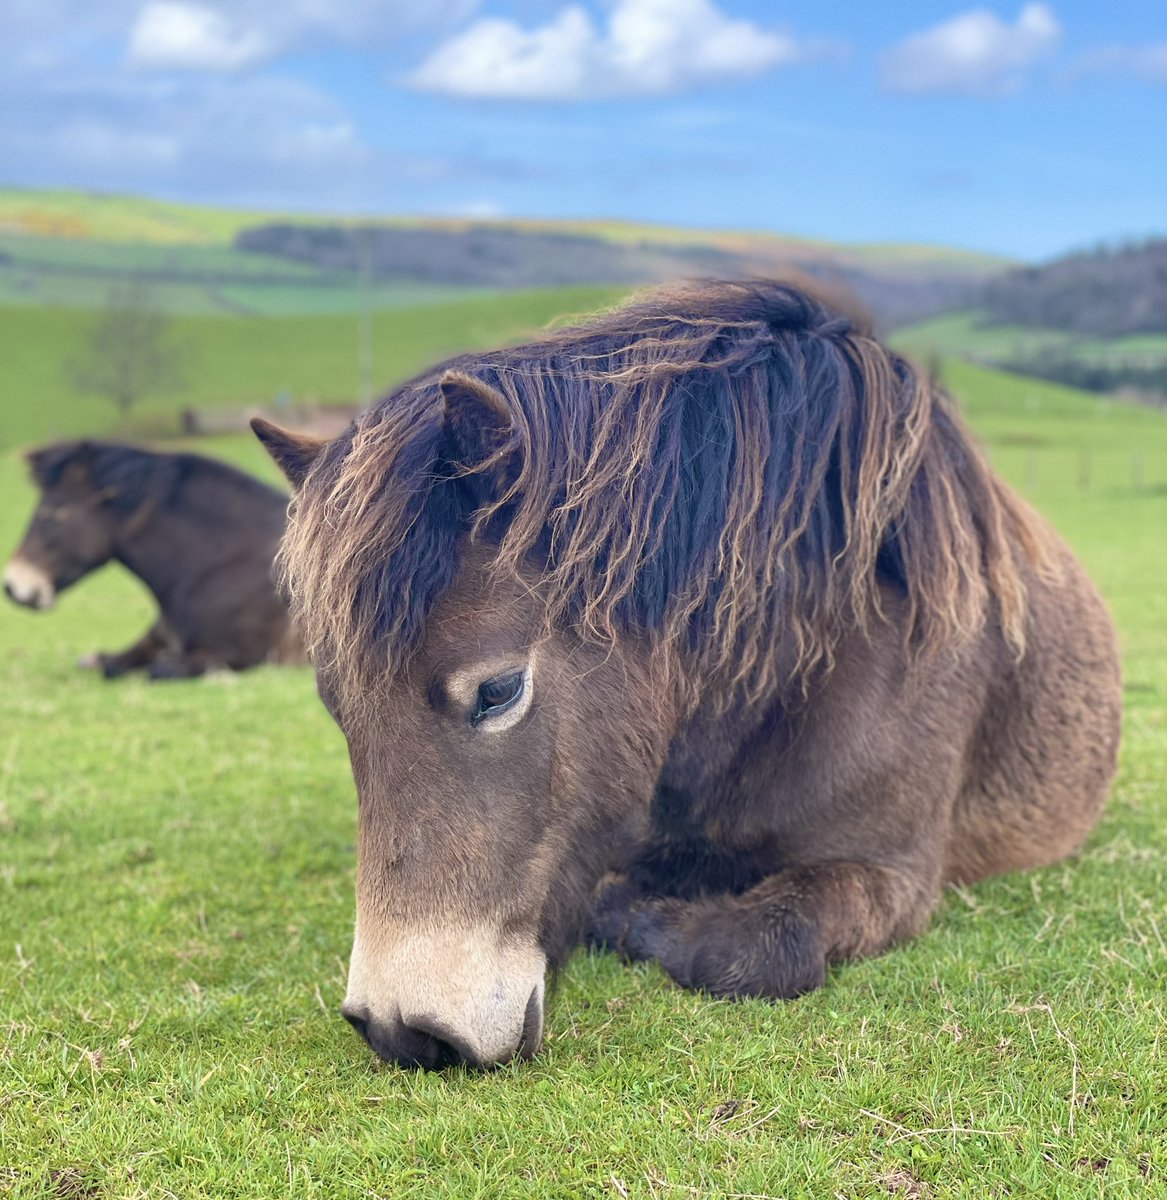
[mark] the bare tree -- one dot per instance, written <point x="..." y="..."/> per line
<point x="130" y="351"/>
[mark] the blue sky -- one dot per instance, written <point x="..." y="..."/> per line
<point x="1022" y="128"/>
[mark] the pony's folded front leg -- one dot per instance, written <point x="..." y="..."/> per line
<point x="775" y="940"/>
<point x="141" y="654"/>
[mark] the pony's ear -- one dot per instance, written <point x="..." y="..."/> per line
<point x="294" y="453"/>
<point x="48" y="464"/>
<point x="478" y="426"/>
<point x="40" y="463"/>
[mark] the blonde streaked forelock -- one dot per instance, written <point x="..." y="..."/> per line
<point x="717" y="468"/>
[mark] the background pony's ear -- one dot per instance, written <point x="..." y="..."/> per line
<point x="479" y="428"/>
<point x="48" y="464"/>
<point x="294" y="453"/>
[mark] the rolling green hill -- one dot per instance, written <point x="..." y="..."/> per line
<point x="69" y="248"/>
<point x="1137" y="362"/>
<point x="967" y="334"/>
<point x="191" y="278"/>
<point x="112" y="218"/>
<point x="1095" y="319"/>
<point x="99" y="216"/>
<point x="246" y="360"/>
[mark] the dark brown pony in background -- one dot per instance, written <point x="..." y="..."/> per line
<point x="703" y="628"/>
<point x="198" y="533"/>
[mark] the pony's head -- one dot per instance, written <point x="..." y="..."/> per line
<point x="86" y="491"/>
<point x="517" y="574"/>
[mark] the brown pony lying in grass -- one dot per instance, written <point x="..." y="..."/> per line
<point x="200" y="534"/>
<point x="703" y="628"/>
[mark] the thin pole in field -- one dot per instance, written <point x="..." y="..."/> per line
<point x="365" y="317"/>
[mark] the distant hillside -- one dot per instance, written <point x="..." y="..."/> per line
<point x="189" y="278"/>
<point x="106" y="217"/>
<point x="1096" y="321"/>
<point x="515" y="255"/>
<point x="103" y="217"/>
<point x="61" y="246"/>
<point x="1105" y="293"/>
<point x="1136" y="364"/>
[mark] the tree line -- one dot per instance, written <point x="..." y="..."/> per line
<point x="1105" y="292"/>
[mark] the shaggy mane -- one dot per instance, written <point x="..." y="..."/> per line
<point x="722" y="468"/>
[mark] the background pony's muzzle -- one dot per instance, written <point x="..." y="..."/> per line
<point x="28" y="585"/>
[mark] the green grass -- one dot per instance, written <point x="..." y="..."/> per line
<point x="190" y="279"/>
<point x="964" y="334"/>
<point x="242" y="361"/>
<point x="123" y="258"/>
<point x="175" y="914"/>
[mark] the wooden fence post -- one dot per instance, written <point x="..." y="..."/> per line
<point x="1137" y="472"/>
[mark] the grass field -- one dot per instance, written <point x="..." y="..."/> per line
<point x="175" y="912"/>
<point x="241" y="361"/>
<point x="191" y="279"/>
<point x="963" y="333"/>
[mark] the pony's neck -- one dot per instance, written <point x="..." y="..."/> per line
<point x="150" y="548"/>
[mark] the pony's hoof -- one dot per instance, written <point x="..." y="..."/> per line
<point x="93" y="661"/>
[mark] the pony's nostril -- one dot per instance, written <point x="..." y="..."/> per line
<point x="359" y="1023"/>
<point x="532" y="1026"/>
<point x="396" y="1042"/>
<point x="445" y="1048"/>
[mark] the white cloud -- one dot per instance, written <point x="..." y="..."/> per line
<point x="649" y="47"/>
<point x="222" y="36"/>
<point x="181" y="133"/>
<point x="177" y="36"/>
<point x="255" y="140"/>
<point x="84" y="114"/>
<point x="974" y="54"/>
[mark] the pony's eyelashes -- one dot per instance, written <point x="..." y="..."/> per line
<point x="503" y="701"/>
<point x="496" y="696"/>
<point x="493" y="697"/>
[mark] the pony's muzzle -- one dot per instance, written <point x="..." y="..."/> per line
<point x="428" y="1043"/>
<point x="450" y="998"/>
<point x="28" y="585"/>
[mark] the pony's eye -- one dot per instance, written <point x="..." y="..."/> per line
<point x="498" y="694"/>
